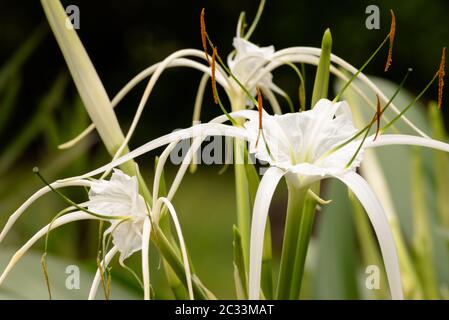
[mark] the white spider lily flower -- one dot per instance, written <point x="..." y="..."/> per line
<point x="120" y="196"/>
<point x="302" y="142"/>
<point x="247" y="59"/>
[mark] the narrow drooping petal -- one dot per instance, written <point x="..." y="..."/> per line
<point x="56" y="185"/>
<point x="145" y="258"/>
<point x="402" y="139"/>
<point x="262" y="202"/>
<point x="306" y="52"/>
<point x="180" y="62"/>
<point x="198" y="130"/>
<point x="149" y="88"/>
<point x="96" y="282"/>
<point x="182" y="244"/>
<point x="68" y="218"/>
<point x="379" y="221"/>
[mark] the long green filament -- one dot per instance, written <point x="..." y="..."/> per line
<point x="361" y="68"/>
<point x="256" y="20"/>
<point x="369" y="125"/>
<point x="410" y="104"/>
<point x="302" y="90"/>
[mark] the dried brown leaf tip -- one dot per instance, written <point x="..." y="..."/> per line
<point x="441" y="74"/>
<point x="260" y="109"/>
<point x="214" y="81"/>
<point x="204" y="34"/>
<point x="378" y="116"/>
<point x="391" y="35"/>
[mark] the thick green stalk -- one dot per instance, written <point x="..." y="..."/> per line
<point x="305" y="232"/>
<point x="296" y="198"/>
<point x="242" y="188"/>
<point x="422" y="236"/>
<point x="242" y="198"/>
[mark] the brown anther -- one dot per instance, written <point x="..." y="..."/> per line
<point x="378" y="116"/>
<point x="204" y="34"/>
<point x="391" y="36"/>
<point x="260" y="109"/>
<point x="214" y="82"/>
<point x="441" y="74"/>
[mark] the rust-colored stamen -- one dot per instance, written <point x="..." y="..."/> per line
<point x="260" y="109"/>
<point x="378" y="116"/>
<point x="214" y="82"/>
<point x="391" y="36"/>
<point x="441" y="74"/>
<point x="204" y="34"/>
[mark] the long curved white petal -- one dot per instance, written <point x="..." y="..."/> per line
<point x="145" y="258"/>
<point x="56" y="185"/>
<point x="157" y="73"/>
<point x="182" y="244"/>
<point x="70" y="217"/>
<point x="198" y="130"/>
<point x="180" y="62"/>
<point x="379" y="221"/>
<point x="344" y="64"/>
<point x="246" y="114"/>
<point x="403" y="139"/>
<point x="96" y="282"/>
<point x="262" y="202"/>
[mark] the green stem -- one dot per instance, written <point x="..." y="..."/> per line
<point x="242" y="198"/>
<point x="305" y="232"/>
<point x="173" y="259"/>
<point x="295" y="204"/>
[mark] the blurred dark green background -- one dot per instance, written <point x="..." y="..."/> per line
<point x="124" y="37"/>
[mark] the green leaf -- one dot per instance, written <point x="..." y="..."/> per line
<point x="240" y="277"/>
<point x="422" y="236"/>
<point x="84" y="75"/>
<point x="335" y="275"/>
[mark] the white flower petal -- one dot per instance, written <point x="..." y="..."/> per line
<point x="262" y="202"/>
<point x="379" y="221"/>
<point x="195" y="131"/>
<point x="145" y="259"/>
<point x="120" y="196"/>
<point x="402" y="139"/>
<point x="65" y="219"/>
<point x="96" y="282"/>
<point x="299" y="142"/>
<point x="182" y="244"/>
<point x="56" y="185"/>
